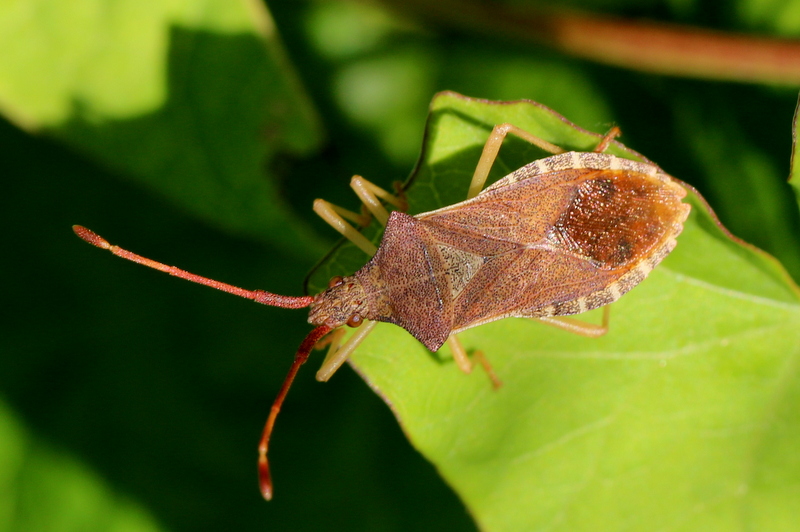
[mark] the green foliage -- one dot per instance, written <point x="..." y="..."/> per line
<point x="189" y="98"/>
<point x="187" y="131"/>
<point x="794" y="178"/>
<point x="681" y="415"/>
<point x="76" y="499"/>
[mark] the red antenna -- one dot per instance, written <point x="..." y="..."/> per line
<point x="264" y="478"/>
<point x="259" y="296"/>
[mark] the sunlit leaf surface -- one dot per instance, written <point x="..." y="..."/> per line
<point x="192" y="99"/>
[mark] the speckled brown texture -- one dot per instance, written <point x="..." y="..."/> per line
<point x="559" y="236"/>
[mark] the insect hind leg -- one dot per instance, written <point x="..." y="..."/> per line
<point x="463" y="362"/>
<point x="580" y="327"/>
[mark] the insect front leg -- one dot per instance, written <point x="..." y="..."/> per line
<point x="337" y="218"/>
<point x="463" y="362"/>
<point x="371" y="196"/>
<point x="338" y="354"/>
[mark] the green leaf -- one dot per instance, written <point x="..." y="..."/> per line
<point x="192" y="99"/>
<point x="681" y="417"/>
<point x="34" y="476"/>
<point x="794" y="177"/>
<point x="747" y="188"/>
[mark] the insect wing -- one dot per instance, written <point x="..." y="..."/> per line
<point x="562" y="242"/>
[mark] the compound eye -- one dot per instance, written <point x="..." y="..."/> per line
<point x="335" y="281"/>
<point x="355" y="320"/>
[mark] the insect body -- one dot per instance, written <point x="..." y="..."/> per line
<point x="559" y="236"/>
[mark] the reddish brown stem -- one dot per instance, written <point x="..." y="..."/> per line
<point x="264" y="477"/>
<point x="259" y="296"/>
<point x="669" y="49"/>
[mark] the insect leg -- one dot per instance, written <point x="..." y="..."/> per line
<point x="370" y="194"/>
<point x="492" y="148"/>
<point x="337" y="355"/>
<point x="613" y="133"/>
<point x="331" y="341"/>
<point x="464" y="364"/>
<point x="576" y="326"/>
<point x="335" y="216"/>
<point x="459" y="354"/>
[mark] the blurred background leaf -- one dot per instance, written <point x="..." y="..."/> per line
<point x="127" y="116"/>
<point x="192" y="98"/>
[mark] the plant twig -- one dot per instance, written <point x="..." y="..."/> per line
<point x="638" y="45"/>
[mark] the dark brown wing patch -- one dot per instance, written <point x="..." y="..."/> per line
<point x="616" y="217"/>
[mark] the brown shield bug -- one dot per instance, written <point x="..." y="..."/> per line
<point x="558" y="236"/>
